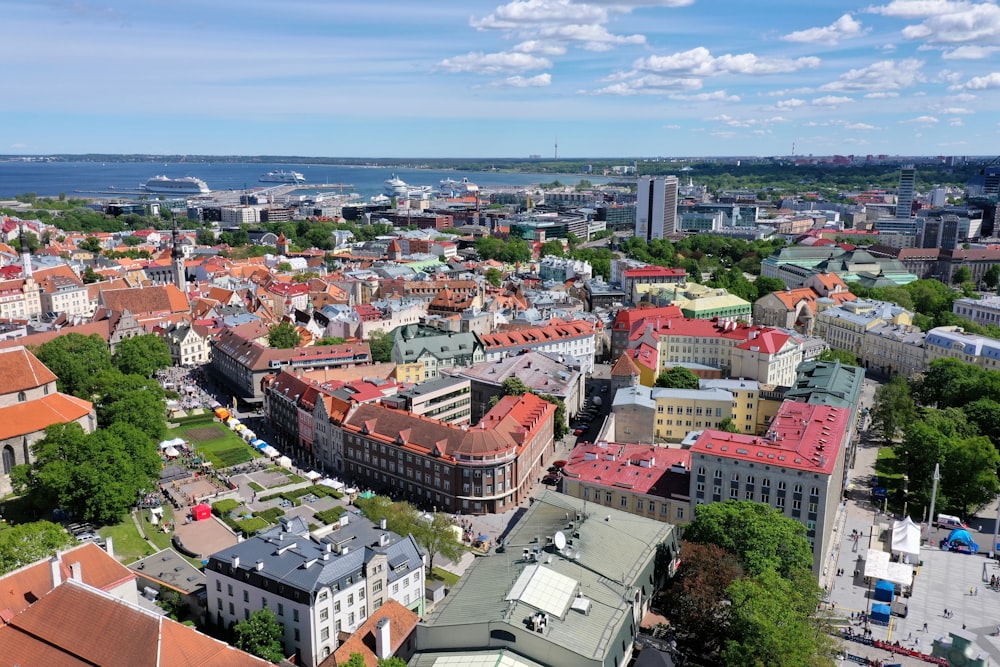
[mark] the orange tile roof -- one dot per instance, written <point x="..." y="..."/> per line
<point x="402" y="622"/>
<point x="152" y="299"/>
<point x="624" y="367"/>
<point x="556" y="330"/>
<point x="34" y="416"/>
<point x="791" y="297"/>
<point x="101" y="329"/>
<point x="21" y="370"/>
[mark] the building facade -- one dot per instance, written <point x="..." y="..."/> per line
<point x="656" y="207"/>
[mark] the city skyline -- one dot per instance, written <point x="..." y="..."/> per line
<point x="598" y="78"/>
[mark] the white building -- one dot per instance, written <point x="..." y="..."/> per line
<point x="656" y="207"/>
<point x="984" y="310"/>
<point x="316" y="586"/>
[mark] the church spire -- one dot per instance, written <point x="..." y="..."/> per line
<point x="177" y="259"/>
<point x="25" y="253"/>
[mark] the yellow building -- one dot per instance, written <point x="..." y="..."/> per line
<point x="409" y="372"/>
<point x="845" y="327"/>
<point x="680" y="411"/>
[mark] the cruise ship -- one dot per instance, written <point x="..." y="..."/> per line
<point x="397" y="187"/>
<point x="187" y="185"/>
<point x="449" y="187"/>
<point x="282" y="176"/>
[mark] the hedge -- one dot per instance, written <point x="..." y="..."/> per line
<point x="271" y="515"/>
<point x="223" y="507"/>
<point x="331" y="515"/>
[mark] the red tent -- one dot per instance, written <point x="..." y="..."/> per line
<point x="200" y="512"/>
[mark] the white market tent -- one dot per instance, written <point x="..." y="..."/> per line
<point x="312" y="475"/>
<point x="270" y="452"/>
<point x="906" y="539"/>
<point x="878" y="566"/>
<point x="171" y="452"/>
<point x="248" y="435"/>
<point x="285" y="462"/>
<point x="176" y="442"/>
<point x="332" y="483"/>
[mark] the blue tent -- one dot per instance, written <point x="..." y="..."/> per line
<point x="960" y="540"/>
<point x="258" y="444"/>
<point x="880" y="613"/>
<point x="885" y="591"/>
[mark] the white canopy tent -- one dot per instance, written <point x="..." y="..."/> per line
<point x="270" y="452"/>
<point x="312" y="475"/>
<point x="878" y="566"/>
<point x="334" y="484"/>
<point x="906" y="539"/>
<point x="284" y="462"/>
<point x="176" y="442"/>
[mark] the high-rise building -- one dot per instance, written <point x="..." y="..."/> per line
<point x="904" y="195"/>
<point x="656" y="207"/>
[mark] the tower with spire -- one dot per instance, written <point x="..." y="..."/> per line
<point x="177" y="258"/>
<point x="25" y="254"/>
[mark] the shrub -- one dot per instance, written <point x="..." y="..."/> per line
<point x="271" y="515"/>
<point x="223" y="507"/>
<point x="331" y="515"/>
<point x="252" y="526"/>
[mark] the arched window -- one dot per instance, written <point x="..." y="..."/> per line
<point x="8" y="459"/>
<point x="736" y="477"/>
<point x="718" y="474"/>
<point x="22" y="397"/>
<point x="798" y="488"/>
<point x="701" y="470"/>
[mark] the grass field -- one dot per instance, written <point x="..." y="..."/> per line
<point x="214" y="442"/>
<point x="449" y="578"/>
<point x="129" y="546"/>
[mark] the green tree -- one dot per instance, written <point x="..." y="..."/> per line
<point x="391" y="661"/>
<point x="283" y="335"/>
<point x="949" y="382"/>
<point x="984" y="414"/>
<point x="439" y="536"/>
<point x="728" y="425"/>
<point x="961" y="275"/>
<point x="27" y="543"/>
<point x="893" y="408"/>
<point x="992" y="277"/>
<point x="771" y="623"/>
<point x="553" y="247"/>
<point x="75" y="358"/>
<point x="922" y="447"/>
<point x="697" y="595"/>
<point x="205" y="237"/>
<point x="260" y="635"/>
<point x="90" y="276"/>
<point x="761" y="537"/>
<point x="766" y="285"/>
<point x="843" y="356"/>
<point x="90" y="244"/>
<point x="494" y="276"/>
<point x="513" y="386"/>
<point x="560" y="421"/>
<point x="142" y="355"/>
<point x="357" y="660"/>
<point x="283" y="267"/>
<point x="677" y="377"/>
<point x="30" y="239"/>
<point x="969" y="474"/>
<point x="381" y="346"/>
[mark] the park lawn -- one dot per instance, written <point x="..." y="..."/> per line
<point x="128" y="544"/>
<point x="225" y="450"/>
<point x="155" y="535"/>
<point x="887" y="467"/>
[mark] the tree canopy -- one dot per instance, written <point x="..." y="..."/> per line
<point x="27" y="543"/>
<point x="75" y="359"/>
<point x="260" y="635"/>
<point x="381" y="346"/>
<point x="843" y="356"/>
<point x="142" y="355"/>
<point x="761" y="537"/>
<point x="436" y="532"/>
<point x="677" y="377"/>
<point x="283" y="335"/>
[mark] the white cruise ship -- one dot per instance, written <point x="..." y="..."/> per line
<point x="397" y="187"/>
<point x="282" y="176"/>
<point x="187" y="185"/>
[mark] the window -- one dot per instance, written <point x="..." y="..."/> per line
<point x="607" y="497"/>
<point x="229" y="589"/>
<point x="624" y="501"/>
<point x="324" y="634"/>
<point x="324" y="614"/>
<point x="246" y="595"/>
<point x="361" y="594"/>
<point x="781" y="485"/>
<point x="281" y="609"/>
<point x="780" y="502"/>
<point x="376" y="587"/>
<point x="350" y="600"/>
<point x="336" y="607"/>
<point x="295" y="615"/>
<point x="218" y="585"/>
<point x="680" y="512"/>
<point x="350" y="618"/>
<point x="734" y="493"/>
<point x="718" y="474"/>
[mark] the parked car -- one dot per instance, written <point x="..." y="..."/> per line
<point x="580" y="431"/>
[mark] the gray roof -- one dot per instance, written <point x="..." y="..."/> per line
<point x="538" y="371"/>
<point x="640" y="396"/>
<point x="693" y="394"/>
<point x="607" y="561"/>
<point x="729" y="385"/>
<point x="170" y="568"/>
<point x="291" y="556"/>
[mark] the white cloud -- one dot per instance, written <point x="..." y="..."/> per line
<point x="699" y="61"/>
<point x="956" y="122"/>
<point x="880" y="76"/>
<point x="845" y="27"/>
<point x="714" y="96"/>
<point x="525" y="13"/>
<point x="965" y="23"/>
<point x="880" y="95"/>
<point x="594" y="37"/>
<point x="650" y="84"/>
<point x="964" y="97"/>
<point x="789" y="103"/>
<point x="987" y="82"/>
<point x="859" y="126"/>
<point x="671" y="127"/>
<point x="494" y="63"/>
<point x="726" y="119"/>
<point x="920" y="120"/>
<point x="915" y="9"/>
<point x="540" y="48"/>
<point x="519" y="81"/>
<point x="970" y="52"/>
<point x="831" y="101"/>
<point x="953" y="111"/>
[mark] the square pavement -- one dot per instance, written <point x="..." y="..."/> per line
<point x="945" y="580"/>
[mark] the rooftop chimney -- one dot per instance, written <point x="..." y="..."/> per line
<point x="55" y="566"/>
<point x="76" y="571"/>
<point x="109" y="546"/>
<point x="383" y="645"/>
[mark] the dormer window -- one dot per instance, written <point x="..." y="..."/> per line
<point x="22" y="397"/>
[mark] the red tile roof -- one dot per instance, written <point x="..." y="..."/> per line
<point x="33" y="416"/>
<point x="20" y="370"/>
<point x="624" y="367"/>
<point x="640" y="468"/>
<point x="768" y="341"/>
<point x="402" y="622"/>
<point x="556" y="330"/>
<point x="625" y="320"/>
<point x="653" y="271"/>
<point x="802" y="436"/>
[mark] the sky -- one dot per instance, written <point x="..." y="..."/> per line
<point x="480" y="78"/>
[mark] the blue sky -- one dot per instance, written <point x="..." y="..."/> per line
<point x="501" y="79"/>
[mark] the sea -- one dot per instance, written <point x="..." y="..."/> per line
<point x="106" y="179"/>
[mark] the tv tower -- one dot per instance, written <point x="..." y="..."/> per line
<point x="557" y="148"/>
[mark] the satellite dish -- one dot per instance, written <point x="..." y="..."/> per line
<point x="560" y="540"/>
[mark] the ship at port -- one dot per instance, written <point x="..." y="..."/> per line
<point x="397" y="187"/>
<point x="449" y="187"/>
<point x="186" y="185"/>
<point x="282" y="176"/>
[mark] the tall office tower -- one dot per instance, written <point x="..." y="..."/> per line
<point x="656" y="207"/>
<point x="904" y="195"/>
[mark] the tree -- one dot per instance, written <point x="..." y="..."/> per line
<point x="283" y="335"/>
<point x="142" y="355"/>
<point x="766" y="285"/>
<point x="494" y="276"/>
<point x="90" y="244"/>
<point x="697" y="594"/>
<point x="30" y="542"/>
<point x="728" y="426"/>
<point x="260" y="635"/>
<point x="992" y="276"/>
<point x="357" y="660"/>
<point x="75" y="358"/>
<point x="560" y="422"/>
<point x="391" y="661"/>
<point x="553" y="247"/>
<point x="438" y="536"/>
<point x="969" y="474"/>
<point x="283" y="267"/>
<point x="381" y="346"/>
<point x="90" y="276"/>
<point x="30" y="239"/>
<point x="961" y="275"/>
<point x="513" y="386"/>
<point x="761" y="537"/>
<point x="771" y="623"/>
<point x="893" y="408"/>
<point x="843" y="356"/>
<point x="205" y="237"/>
<point x="677" y="377"/>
